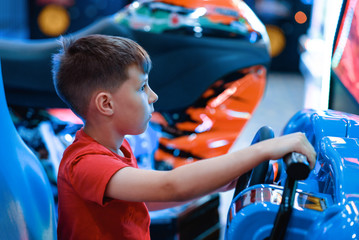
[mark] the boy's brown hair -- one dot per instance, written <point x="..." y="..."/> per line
<point x="92" y="63"/>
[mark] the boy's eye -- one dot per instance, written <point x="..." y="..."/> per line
<point x="143" y="88"/>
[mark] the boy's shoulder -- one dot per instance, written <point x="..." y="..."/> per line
<point x="83" y="145"/>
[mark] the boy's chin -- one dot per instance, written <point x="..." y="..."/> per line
<point x="140" y="131"/>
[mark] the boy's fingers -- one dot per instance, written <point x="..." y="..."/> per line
<point x="303" y="146"/>
<point x="311" y="154"/>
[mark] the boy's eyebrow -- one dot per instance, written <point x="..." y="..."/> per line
<point x="144" y="78"/>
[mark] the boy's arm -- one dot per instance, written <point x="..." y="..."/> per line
<point x="154" y="206"/>
<point x="202" y="177"/>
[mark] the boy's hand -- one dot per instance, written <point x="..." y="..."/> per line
<point x="295" y="142"/>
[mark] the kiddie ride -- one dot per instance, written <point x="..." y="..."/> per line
<point x="209" y="69"/>
<point x="210" y="60"/>
<point x="321" y="204"/>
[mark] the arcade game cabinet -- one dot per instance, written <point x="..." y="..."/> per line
<point x="54" y="18"/>
<point x="214" y="64"/>
<point x="316" y="52"/>
<point x="285" y="21"/>
<point x="344" y="88"/>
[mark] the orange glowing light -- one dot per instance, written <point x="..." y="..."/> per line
<point x="53" y="20"/>
<point x="300" y="17"/>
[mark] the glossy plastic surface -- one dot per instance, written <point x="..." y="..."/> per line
<point x="209" y="81"/>
<point x="252" y="213"/>
<point x="335" y="137"/>
<point x="210" y="126"/>
<point x="26" y="200"/>
<point x="187" y="63"/>
<point x="331" y="192"/>
<point x="213" y="18"/>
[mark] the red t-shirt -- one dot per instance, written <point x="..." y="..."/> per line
<point x="84" y="212"/>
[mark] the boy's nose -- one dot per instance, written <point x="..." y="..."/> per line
<point x="153" y="97"/>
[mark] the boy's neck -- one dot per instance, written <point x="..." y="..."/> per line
<point x="105" y="137"/>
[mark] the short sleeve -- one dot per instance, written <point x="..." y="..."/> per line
<point x="90" y="174"/>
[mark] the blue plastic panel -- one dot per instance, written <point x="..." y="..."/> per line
<point x="335" y="136"/>
<point x="26" y="200"/>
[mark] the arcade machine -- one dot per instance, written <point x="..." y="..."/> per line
<point x="322" y="203"/>
<point x="13" y="19"/>
<point x="206" y="99"/>
<point x="48" y="19"/>
<point x="328" y="58"/>
<point x="285" y="21"/>
<point x="344" y="88"/>
<point x="316" y="48"/>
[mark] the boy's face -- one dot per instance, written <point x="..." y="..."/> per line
<point x="134" y="103"/>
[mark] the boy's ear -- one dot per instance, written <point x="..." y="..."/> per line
<point x="103" y="102"/>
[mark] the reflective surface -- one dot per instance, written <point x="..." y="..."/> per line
<point x="27" y="205"/>
<point x="329" y="209"/>
<point x="225" y="19"/>
<point x="209" y="127"/>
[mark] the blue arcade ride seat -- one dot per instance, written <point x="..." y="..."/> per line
<point x="26" y="201"/>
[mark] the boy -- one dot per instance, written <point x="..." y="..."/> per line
<point x="102" y="193"/>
